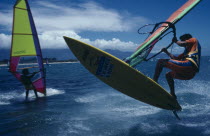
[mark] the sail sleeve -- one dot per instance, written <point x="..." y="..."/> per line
<point x="140" y="54"/>
<point x="25" y="43"/>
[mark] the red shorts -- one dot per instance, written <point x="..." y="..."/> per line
<point x="183" y="70"/>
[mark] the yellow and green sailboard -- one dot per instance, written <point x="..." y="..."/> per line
<point x="121" y="75"/>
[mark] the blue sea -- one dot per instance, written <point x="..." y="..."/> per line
<point x="78" y="104"/>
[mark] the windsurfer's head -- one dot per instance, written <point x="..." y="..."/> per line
<point x="185" y="37"/>
<point x="25" y="72"/>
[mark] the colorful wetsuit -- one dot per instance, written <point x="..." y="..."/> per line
<point x="187" y="64"/>
<point x="193" y="52"/>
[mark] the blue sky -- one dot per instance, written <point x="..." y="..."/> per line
<point x="106" y="24"/>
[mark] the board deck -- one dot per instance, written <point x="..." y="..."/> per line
<point x="120" y="76"/>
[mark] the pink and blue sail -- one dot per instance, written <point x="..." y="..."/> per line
<point x="144" y="49"/>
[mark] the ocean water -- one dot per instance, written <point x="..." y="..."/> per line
<point x="78" y="104"/>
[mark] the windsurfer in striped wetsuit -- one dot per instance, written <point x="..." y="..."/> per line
<point x="183" y="67"/>
<point x="26" y="80"/>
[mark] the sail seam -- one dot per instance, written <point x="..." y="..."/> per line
<point x="22" y="34"/>
<point x="20" y="8"/>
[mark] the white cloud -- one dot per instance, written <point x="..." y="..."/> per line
<point x="54" y="21"/>
<point x="54" y="39"/>
<point x="6" y="20"/>
<point x="5" y="41"/>
<point x="84" y="17"/>
<point x="115" y="44"/>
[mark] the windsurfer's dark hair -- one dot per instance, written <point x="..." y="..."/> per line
<point x="185" y="37"/>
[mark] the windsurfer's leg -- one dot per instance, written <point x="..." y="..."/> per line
<point x="159" y="67"/>
<point x="35" y="92"/>
<point x="27" y="91"/>
<point x="170" y="81"/>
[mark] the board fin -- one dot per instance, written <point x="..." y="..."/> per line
<point x="176" y="115"/>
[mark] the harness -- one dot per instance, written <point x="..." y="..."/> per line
<point x="194" y="56"/>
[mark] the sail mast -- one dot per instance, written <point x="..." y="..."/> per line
<point x="38" y="48"/>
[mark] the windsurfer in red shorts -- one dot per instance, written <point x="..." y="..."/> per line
<point x="183" y="67"/>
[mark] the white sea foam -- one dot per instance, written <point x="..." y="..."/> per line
<point x="6" y="98"/>
<point x="197" y="106"/>
<point x="154" y="128"/>
<point x="118" y="107"/>
<point x="195" y="124"/>
<point x="195" y="86"/>
<point x="206" y="132"/>
<point x="16" y="96"/>
<point x="68" y="130"/>
<point x="82" y="127"/>
<point x="102" y="96"/>
<point x="77" y="126"/>
<point x="135" y="111"/>
<point x="114" y="103"/>
<point x="4" y="103"/>
<point x="90" y="98"/>
<point x="194" y="110"/>
<point x="52" y="91"/>
<point x="203" y="124"/>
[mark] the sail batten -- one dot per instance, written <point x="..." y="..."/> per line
<point x="25" y="48"/>
<point x="21" y="34"/>
<point x="20" y="8"/>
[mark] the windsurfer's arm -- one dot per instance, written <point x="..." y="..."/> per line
<point x="180" y="43"/>
<point x="34" y="73"/>
<point x="181" y="56"/>
<point x="169" y="54"/>
<point x="186" y="43"/>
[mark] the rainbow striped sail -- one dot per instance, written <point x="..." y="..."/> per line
<point x="144" y="49"/>
<point x="25" y="48"/>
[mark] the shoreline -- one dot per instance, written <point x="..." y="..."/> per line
<point x="6" y="65"/>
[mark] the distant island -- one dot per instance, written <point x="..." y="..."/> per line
<point x="33" y="60"/>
